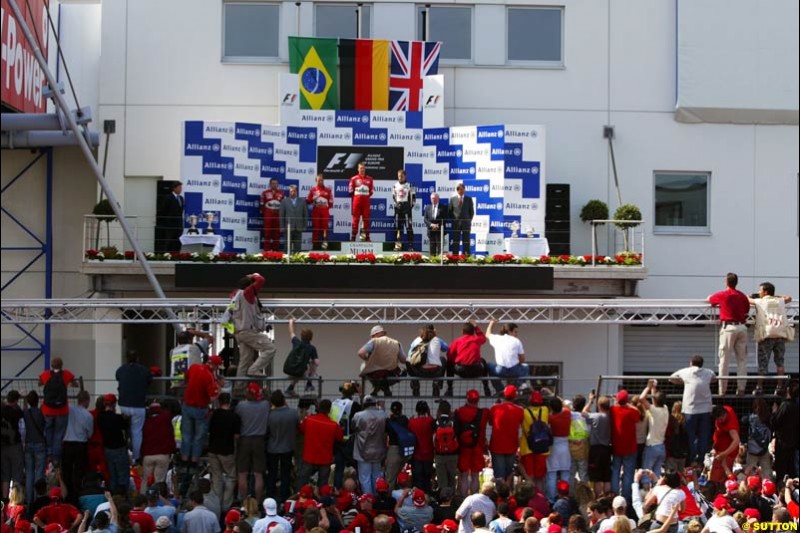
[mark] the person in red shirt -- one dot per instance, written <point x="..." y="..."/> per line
<point x="624" y="418"/>
<point x="422" y="461"/>
<point x="726" y="442"/>
<point x="559" y="461"/>
<point x="733" y="308"/>
<point x="505" y="419"/>
<point x="58" y="512"/>
<point x="464" y="357"/>
<point x="361" y="189"/>
<point x="321" y="198"/>
<point x="158" y="444"/>
<point x="471" y="422"/>
<point x="55" y="406"/>
<point x="97" y="455"/>
<point x="201" y="388"/>
<point x="139" y="516"/>
<point x="322" y="435"/>
<point x="270" y="210"/>
<point x="365" y="517"/>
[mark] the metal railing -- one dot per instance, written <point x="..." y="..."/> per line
<point x="626" y="227"/>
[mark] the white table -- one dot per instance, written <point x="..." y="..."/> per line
<point x="197" y="242"/>
<point x="527" y="247"/>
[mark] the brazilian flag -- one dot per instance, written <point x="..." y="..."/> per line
<point x="316" y="63"/>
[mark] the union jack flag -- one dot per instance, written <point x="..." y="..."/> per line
<point x="411" y="62"/>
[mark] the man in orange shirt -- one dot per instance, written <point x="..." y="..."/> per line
<point x="624" y="418"/>
<point x="505" y="419"/>
<point x="733" y="308"/>
<point x="318" y="449"/>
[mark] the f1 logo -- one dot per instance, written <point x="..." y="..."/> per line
<point x="432" y="100"/>
<point x="289" y="98"/>
<point x="344" y="160"/>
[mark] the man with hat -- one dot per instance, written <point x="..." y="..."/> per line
<point x="414" y="517"/>
<point x="471" y="422"/>
<point x="58" y="513"/>
<point x="250" y="452"/>
<point x="158" y="444"/>
<point x="620" y="507"/>
<point x="384" y="501"/>
<point x="722" y="519"/>
<point x="505" y="419"/>
<point x="363" y="521"/>
<point x="369" y="451"/>
<point x="448" y="526"/>
<point x="201" y="389"/>
<point x="271" y="512"/>
<point x="159" y="508"/>
<point x="231" y="519"/>
<point x="114" y="428"/>
<point x="382" y="356"/>
<point x="256" y="349"/>
<point x="624" y="448"/>
<point x="163" y="524"/>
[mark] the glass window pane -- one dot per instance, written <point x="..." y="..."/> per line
<point x="682" y="200"/>
<point x="341" y="21"/>
<point x="452" y="26"/>
<point x="251" y="30"/>
<point x="534" y="34"/>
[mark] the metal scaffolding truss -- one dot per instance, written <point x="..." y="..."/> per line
<point x="346" y="311"/>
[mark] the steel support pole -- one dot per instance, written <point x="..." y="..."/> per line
<point x="87" y="152"/>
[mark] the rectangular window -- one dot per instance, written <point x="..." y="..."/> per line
<point x="341" y="20"/>
<point x="452" y="26"/>
<point x="682" y="202"/>
<point x="250" y="31"/>
<point x="536" y="35"/>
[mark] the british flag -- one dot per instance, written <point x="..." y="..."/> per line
<point x="411" y="62"/>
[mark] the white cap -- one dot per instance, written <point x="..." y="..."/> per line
<point x="619" y="503"/>
<point x="270" y="506"/>
<point x="376" y="329"/>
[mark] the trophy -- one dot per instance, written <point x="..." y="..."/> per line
<point x="529" y="231"/>
<point x="514" y="229"/>
<point x="192" y="220"/>
<point x="210" y="218"/>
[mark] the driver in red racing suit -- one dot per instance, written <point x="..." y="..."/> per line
<point x="361" y="189"/>
<point x="321" y="198"/>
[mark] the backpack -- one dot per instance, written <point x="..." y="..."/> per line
<point x="444" y="439"/>
<point x="419" y="355"/>
<point x="406" y="440"/>
<point x="540" y="437"/>
<point x="760" y="435"/>
<point x="296" y="363"/>
<point x="55" y="391"/>
<point x="470" y="432"/>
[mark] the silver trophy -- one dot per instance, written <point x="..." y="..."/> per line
<point x="514" y="229"/>
<point x="529" y="231"/>
<point x="192" y="220"/>
<point x="211" y="217"/>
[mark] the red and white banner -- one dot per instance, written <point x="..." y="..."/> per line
<point x="21" y="79"/>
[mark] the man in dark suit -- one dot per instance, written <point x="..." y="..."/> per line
<point x="294" y="219"/>
<point x="435" y="216"/>
<point x="460" y="210"/>
<point x="170" y="220"/>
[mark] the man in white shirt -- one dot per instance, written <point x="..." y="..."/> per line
<point x="271" y="511"/>
<point x="483" y="502"/>
<point x="509" y="355"/>
<point x="696" y="406"/>
<point x="657" y="416"/>
<point x="620" y="507"/>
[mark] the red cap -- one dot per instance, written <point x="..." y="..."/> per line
<point x="449" y="525"/>
<point x="306" y="491"/>
<point x="536" y="398"/>
<point x="553" y="528"/>
<point x="232" y="517"/>
<point x="754" y="483"/>
<point x="55" y="492"/>
<point x="366" y="498"/>
<point x="418" y="498"/>
<point x="325" y="490"/>
<point x="381" y="485"/>
<point x="254" y="389"/>
<point x="155" y="370"/>
<point x="562" y="487"/>
<point x="430" y="528"/>
<point x="215" y="360"/>
<point x="109" y="398"/>
<point x="731" y="486"/>
<point x="622" y="396"/>
<point x="510" y="392"/>
<point x="403" y="478"/>
<point x="752" y="514"/>
<point x="769" y="488"/>
<point x="22" y="526"/>
<point x="473" y="396"/>
<point x="721" y="502"/>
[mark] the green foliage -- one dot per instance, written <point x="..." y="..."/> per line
<point x="627" y="212"/>
<point x="103" y="209"/>
<point x="594" y="210"/>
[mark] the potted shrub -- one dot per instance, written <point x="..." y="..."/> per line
<point x="627" y="212"/>
<point x="104" y="213"/>
<point x="594" y="210"/>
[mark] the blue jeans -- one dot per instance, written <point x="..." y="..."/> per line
<point x="368" y="474"/>
<point x="628" y="464"/>
<point x="119" y="469"/>
<point x="55" y="427"/>
<point x="503" y="464"/>
<point x="552" y="478"/>
<point x="136" y="415"/>
<point x="698" y="429"/>
<point x="516" y="371"/>
<point x="194" y="426"/>
<point x="35" y="459"/>
<point x="654" y="457"/>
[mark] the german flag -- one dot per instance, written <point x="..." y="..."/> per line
<point x="363" y="74"/>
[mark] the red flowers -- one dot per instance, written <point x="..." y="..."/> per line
<point x="366" y="258"/>
<point x="273" y="257"/>
<point x="226" y="256"/>
<point x="315" y="257"/>
<point x="503" y="258"/>
<point x="453" y="258"/>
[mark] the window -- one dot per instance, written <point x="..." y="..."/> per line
<point x="536" y="35"/>
<point x="682" y="202"/>
<point x="250" y="31"/>
<point x="452" y="26"/>
<point x="342" y="21"/>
